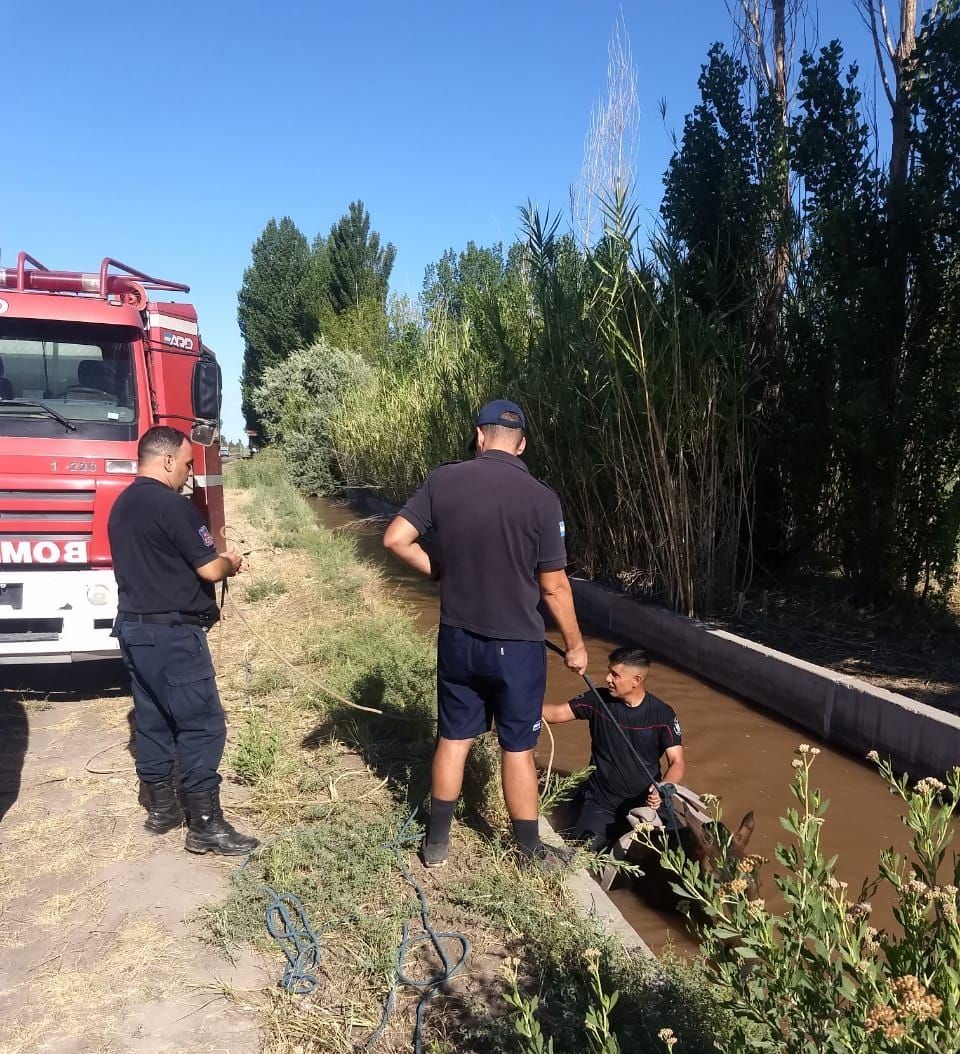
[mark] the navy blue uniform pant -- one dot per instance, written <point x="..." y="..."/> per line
<point x="596" y="824"/>
<point x="176" y="707"/>
<point x="480" y="680"/>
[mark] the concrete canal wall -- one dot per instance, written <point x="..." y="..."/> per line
<point x="841" y="710"/>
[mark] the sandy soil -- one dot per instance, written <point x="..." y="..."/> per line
<point x="101" y="949"/>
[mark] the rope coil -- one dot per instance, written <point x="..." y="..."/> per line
<point x="289" y="926"/>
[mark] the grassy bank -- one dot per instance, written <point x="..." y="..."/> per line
<point x="313" y="629"/>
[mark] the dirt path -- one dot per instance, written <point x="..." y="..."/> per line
<point x="101" y="949"/>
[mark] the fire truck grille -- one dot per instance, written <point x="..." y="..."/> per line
<point x="61" y="512"/>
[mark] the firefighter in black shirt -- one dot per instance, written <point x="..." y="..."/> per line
<point x="625" y="759"/>
<point x="166" y="565"/>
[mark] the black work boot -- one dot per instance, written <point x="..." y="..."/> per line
<point x="209" y="832"/>
<point x="164" y="811"/>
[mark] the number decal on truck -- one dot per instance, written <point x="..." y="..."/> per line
<point x="177" y="340"/>
<point x="82" y="466"/>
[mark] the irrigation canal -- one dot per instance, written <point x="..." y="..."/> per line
<point x="733" y="750"/>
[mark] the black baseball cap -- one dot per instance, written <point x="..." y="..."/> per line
<point x="492" y="413"/>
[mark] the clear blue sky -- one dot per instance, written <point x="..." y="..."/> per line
<point x="167" y="135"/>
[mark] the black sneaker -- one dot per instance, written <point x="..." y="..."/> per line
<point x="434" y="854"/>
<point x="550" y="859"/>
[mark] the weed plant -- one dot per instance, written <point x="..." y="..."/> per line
<point x="257" y="751"/>
<point x="265" y="587"/>
<point x="819" y="976"/>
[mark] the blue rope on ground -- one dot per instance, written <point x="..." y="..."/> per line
<point x="431" y="985"/>
<point x="288" y="924"/>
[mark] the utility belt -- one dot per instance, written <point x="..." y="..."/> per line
<point x="171" y="618"/>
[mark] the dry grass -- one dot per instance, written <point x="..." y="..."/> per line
<point x="82" y="996"/>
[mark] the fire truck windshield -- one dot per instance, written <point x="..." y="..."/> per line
<point x="74" y="371"/>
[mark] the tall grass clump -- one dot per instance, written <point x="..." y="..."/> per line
<point x="642" y="423"/>
<point x="390" y="433"/>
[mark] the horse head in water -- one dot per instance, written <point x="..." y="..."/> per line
<point x="714" y="850"/>
<point x="719" y="854"/>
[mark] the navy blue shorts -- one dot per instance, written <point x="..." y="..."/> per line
<point x="480" y="680"/>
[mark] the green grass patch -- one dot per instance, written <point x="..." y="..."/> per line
<point x="268" y="680"/>
<point x="262" y="588"/>
<point x="257" y="751"/>
<point x="345" y="877"/>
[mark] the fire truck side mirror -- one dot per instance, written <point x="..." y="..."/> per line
<point x="206" y="394"/>
<point x="203" y="435"/>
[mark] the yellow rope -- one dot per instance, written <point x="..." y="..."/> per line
<point x="343" y="700"/>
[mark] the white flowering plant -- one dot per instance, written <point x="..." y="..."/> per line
<point x="818" y="978"/>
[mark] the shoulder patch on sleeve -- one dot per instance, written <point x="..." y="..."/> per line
<point x="205" y="536"/>
<point x="676" y="726"/>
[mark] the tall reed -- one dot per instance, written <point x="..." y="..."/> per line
<point x="636" y="401"/>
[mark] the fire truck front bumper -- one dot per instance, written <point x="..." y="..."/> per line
<point x="57" y="616"/>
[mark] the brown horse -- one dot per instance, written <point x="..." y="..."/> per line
<point x="710" y="845"/>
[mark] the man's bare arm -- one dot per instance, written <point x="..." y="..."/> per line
<point x="676" y="767"/>
<point x="402" y="539"/>
<point x="558" y="597"/>
<point x="557" y="713"/>
<point x="225" y="566"/>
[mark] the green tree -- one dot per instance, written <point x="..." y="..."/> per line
<point x="834" y="369"/>
<point x="928" y="512"/>
<point x="274" y="310"/>
<point x="712" y="203"/>
<point x="359" y="267"/>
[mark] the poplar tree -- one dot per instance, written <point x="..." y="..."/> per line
<point x="275" y="311"/>
<point x="359" y="267"/>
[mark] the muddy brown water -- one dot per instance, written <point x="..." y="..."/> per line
<point x="733" y="750"/>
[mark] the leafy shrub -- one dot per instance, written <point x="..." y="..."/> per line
<point x="819" y="977"/>
<point x="296" y="399"/>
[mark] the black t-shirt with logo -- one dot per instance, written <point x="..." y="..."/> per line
<point x="493" y="526"/>
<point x="651" y="728"/>
<point x="158" y="539"/>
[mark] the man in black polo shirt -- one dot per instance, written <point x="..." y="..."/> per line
<point x="166" y="565"/>
<point x="630" y="730"/>
<point x="498" y="549"/>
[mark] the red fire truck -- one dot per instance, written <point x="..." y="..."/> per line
<point x="87" y="364"/>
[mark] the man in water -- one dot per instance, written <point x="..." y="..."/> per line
<point x="630" y="731"/>
<point x="499" y="549"/>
